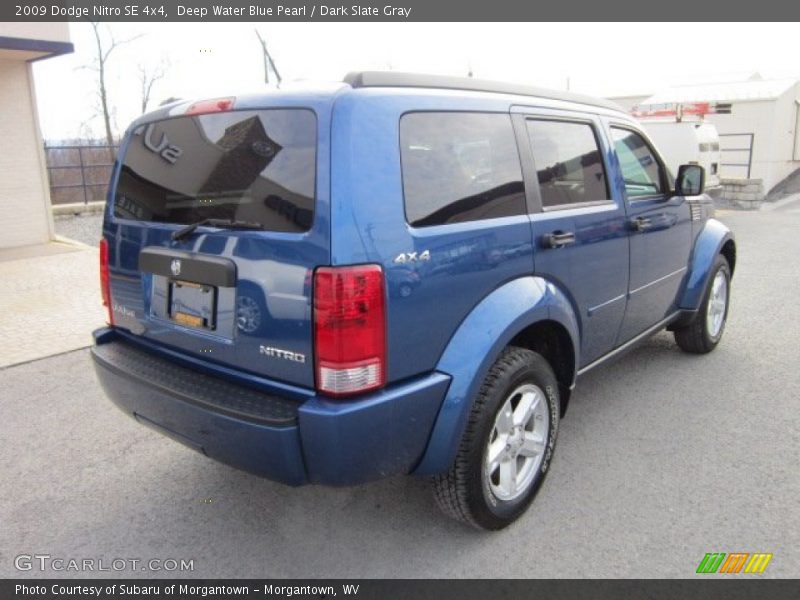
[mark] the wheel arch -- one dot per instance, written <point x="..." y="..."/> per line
<point x="714" y="239"/>
<point x="728" y="250"/>
<point x="552" y="340"/>
<point x="513" y="313"/>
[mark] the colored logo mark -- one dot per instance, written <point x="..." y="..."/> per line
<point x="735" y="562"/>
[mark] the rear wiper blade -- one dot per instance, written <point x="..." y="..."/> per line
<point x="222" y="223"/>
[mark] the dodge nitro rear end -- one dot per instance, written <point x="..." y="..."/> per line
<point x="229" y="328"/>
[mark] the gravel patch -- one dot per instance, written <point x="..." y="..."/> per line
<point x="83" y="228"/>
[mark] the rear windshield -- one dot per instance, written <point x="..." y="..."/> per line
<point x="255" y="166"/>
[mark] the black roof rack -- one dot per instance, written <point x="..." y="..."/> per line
<point x="366" y="79"/>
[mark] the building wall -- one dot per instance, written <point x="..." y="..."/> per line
<point x="747" y="117"/>
<point x="796" y="153"/>
<point x="774" y="124"/>
<point x="24" y="191"/>
<point x="24" y="196"/>
<point x="785" y="137"/>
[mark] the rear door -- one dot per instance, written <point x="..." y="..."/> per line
<point x="579" y="228"/>
<point x="660" y="232"/>
<point x="237" y="297"/>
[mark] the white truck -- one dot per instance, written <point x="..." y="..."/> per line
<point x="687" y="142"/>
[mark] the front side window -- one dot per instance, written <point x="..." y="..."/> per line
<point x="459" y="167"/>
<point x="640" y="169"/>
<point x="569" y="164"/>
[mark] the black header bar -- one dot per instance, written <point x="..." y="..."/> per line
<point x="747" y="587"/>
<point x="402" y="10"/>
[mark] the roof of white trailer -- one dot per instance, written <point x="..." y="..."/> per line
<point x="734" y="91"/>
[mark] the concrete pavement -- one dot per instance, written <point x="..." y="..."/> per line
<point x="662" y="458"/>
<point x="49" y="300"/>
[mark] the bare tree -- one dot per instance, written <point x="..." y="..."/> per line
<point x="148" y="78"/>
<point x="100" y="66"/>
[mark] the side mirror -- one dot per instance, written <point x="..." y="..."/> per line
<point x="691" y="180"/>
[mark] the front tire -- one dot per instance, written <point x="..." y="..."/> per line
<point x="506" y="449"/>
<point x="704" y="332"/>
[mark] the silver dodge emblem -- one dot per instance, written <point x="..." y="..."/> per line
<point x="175" y="267"/>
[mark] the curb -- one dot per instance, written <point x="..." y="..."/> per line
<point x="28" y="361"/>
<point x="767" y="206"/>
<point x="70" y="242"/>
<point x="78" y="208"/>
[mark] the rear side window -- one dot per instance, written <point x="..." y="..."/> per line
<point x="256" y="166"/>
<point x="569" y="164"/>
<point x="459" y="167"/>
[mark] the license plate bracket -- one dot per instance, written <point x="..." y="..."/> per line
<point x="193" y="304"/>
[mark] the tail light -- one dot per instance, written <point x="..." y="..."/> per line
<point x="349" y="329"/>
<point x="105" y="284"/>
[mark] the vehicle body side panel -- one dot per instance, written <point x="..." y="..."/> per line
<point x="658" y="254"/>
<point x="593" y="271"/>
<point x="426" y="299"/>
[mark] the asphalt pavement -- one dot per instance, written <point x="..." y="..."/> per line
<point x="662" y="458"/>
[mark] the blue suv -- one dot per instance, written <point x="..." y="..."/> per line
<point x="397" y="274"/>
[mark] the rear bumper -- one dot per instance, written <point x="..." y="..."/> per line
<point x="294" y="439"/>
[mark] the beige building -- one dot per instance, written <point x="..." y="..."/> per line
<point x="758" y="121"/>
<point x="24" y="189"/>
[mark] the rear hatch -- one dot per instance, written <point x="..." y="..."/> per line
<point x="236" y="289"/>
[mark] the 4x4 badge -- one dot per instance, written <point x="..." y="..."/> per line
<point x="407" y="257"/>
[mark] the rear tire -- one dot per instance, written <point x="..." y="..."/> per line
<point x="702" y="334"/>
<point x="507" y="446"/>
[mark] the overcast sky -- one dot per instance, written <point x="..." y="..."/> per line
<point x="210" y="59"/>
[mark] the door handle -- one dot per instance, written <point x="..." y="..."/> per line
<point x="558" y="239"/>
<point x="641" y="224"/>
